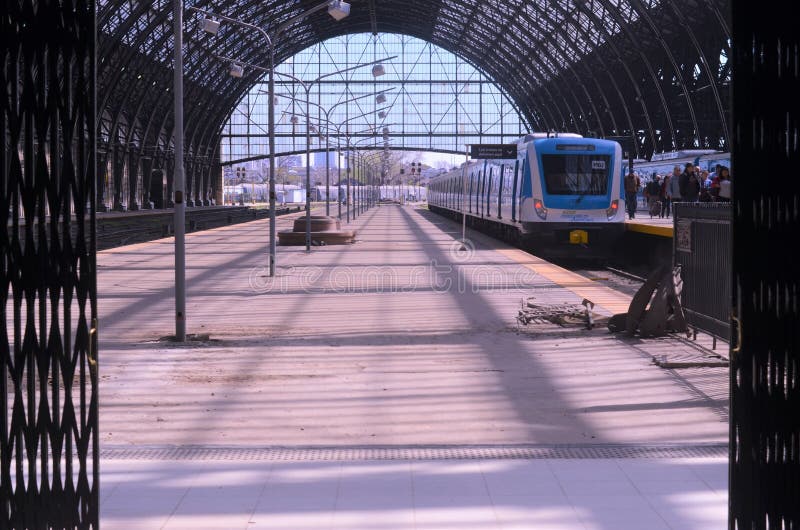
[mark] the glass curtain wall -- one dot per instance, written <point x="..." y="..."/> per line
<point x="435" y="101"/>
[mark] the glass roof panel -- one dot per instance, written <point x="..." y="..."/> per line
<point x="434" y="100"/>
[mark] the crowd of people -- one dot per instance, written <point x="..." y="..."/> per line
<point x="690" y="184"/>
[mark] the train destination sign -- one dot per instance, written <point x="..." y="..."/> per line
<point x="493" y="151"/>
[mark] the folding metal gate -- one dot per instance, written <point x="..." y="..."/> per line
<point x="48" y="363"/>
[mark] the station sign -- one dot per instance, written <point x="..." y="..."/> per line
<point x="493" y="151"/>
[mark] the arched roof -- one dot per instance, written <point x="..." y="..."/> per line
<point x="649" y="70"/>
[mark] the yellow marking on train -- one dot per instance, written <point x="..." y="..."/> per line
<point x="653" y="230"/>
<point x="579" y="237"/>
<point x="611" y="300"/>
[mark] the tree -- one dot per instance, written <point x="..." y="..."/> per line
<point x="443" y="165"/>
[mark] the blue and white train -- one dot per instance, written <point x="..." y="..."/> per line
<point x="562" y="197"/>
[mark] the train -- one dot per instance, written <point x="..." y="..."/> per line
<point x="292" y="194"/>
<point x="663" y="163"/>
<point x="563" y="196"/>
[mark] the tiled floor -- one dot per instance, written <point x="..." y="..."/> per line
<point x="564" y="494"/>
<point x="411" y="375"/>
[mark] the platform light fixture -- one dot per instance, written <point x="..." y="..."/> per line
<point x="380" y="99"/>
<point x="237" y="70"/>
<point x="378" y="70"/>
<point x="338" y="9"/>
<point x="211" y="26"/>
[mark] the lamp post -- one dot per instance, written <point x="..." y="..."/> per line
<point x="338" y="10"/>
<point x="359" y="192"/>
<point x="371" y="137"/>
<point x="365" y="162"/>
<point x="332" y="125"/>
<point x="347" y="136"/>
<point x="307" y="89"/>
<point x="180" y="205"/>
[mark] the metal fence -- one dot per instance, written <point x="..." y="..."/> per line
<point x="702" y="248"/>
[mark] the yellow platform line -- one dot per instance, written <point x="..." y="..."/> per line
<point x="653" y="230"/>
<point x="605" y="297"/>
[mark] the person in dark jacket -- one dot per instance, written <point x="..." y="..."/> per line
<point x="652" y="192"/>
<point x="689" y="185"/>
<point x="632" y="185"/>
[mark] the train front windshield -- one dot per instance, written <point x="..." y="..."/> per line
<point x="576" y="174"/>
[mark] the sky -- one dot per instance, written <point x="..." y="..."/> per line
<point x="430" y="158"/>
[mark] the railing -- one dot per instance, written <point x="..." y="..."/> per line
<point x="702" y="248"/>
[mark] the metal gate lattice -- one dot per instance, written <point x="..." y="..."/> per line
<point x="48" y="377"/>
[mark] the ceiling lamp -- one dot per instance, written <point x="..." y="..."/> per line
<point x="338" y="9"/>
<point x="211" y="26"/>
<point x="237" y="70"/>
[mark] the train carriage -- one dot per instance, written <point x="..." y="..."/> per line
<point x="561" y="197"/>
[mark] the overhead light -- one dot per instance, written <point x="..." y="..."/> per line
<point x="378" y="70"/>
<point x="210" y="26"/>
<point x="338" y="9"/>
<point x="294" y="120"/>
<point x="237" y="70"/>
<point x="381" y="114"/>
<point x="386" y="130"/>
<point x="380" y="99"/>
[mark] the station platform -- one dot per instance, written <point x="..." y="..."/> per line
<point x="655" y="226"/>
<point x="388" y="385"/>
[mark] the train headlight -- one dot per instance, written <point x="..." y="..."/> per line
<point x="611" y="212"/>
<point x="541" y="211"/>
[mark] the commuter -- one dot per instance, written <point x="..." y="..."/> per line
<point x="689" y="184"/>
<point x="651" y="193"/>
<point x="705" y="189"/>
<point x="632" y="185"/>
<point x="673" y="189"/>
<point x="725" y="185"/>
<point x="715" y="173"/>
<point x="705" y="178"/>
<point x="662" y="196"/>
